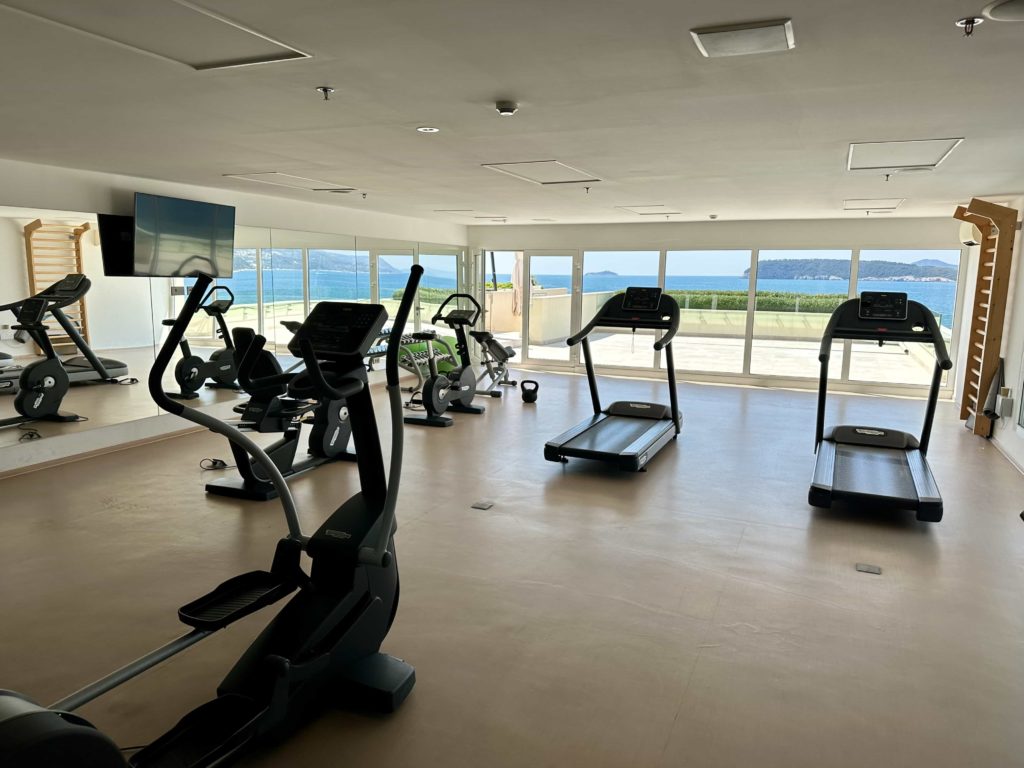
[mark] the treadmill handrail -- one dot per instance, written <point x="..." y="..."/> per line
<point x="932" y="333"/>
<point x="672" y="310"/>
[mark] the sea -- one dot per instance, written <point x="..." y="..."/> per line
<point x="286" y="285"/>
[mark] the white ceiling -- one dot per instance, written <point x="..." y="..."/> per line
<point x="615" y="89"/>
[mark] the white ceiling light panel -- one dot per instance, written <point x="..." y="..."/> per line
<point x="744" y="39"/>
<point x="288" y="180"/>
<point x="875" y="204"/>
<point x="543" y="172"/>
<point x="917" y="154"/>
<point x="176" y="30"/>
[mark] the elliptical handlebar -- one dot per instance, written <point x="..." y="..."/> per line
<point x="212" y="292"/>
<point x="378" y="554"/>
<point x="248" y="364"/>
<point x="346" y="387"/>
<point x="476" y="306"/>
<point x="156" y="390"/>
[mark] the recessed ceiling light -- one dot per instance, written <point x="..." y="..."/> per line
<point x="428" y="129"/>
<point x="744" y="39"/>
<point x="1004" y="10"/>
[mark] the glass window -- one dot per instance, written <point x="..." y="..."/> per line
<point x="503" y="302"/>
<point x="392" y="274"/>
<point x="796" y="293"/>
<point x="283" y="293"/>
<point x="550" y="307"/>
<point x="711" y="288"/>
<point x="440" y="279"/>
<point x="338" y="275"/>
<point x="927" y="276"/>
<point x="606" y="273"/>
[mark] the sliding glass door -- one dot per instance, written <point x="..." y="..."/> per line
<point x="550" y="311"/>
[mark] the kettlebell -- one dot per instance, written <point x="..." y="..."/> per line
<point x="529" y="387"/>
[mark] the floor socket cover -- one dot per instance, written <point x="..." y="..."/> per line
<point x="482" y="504"/>
<point x="865" y="568"/>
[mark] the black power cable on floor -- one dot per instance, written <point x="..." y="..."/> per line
<point x="212" y="463"/>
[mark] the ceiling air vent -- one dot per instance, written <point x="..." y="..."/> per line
<point x="174" y="30"/>
<point x="914" y="155"/>
<point x="543" y="172"/>
<point x="293" y="182"/>
<point x="875" y="205"/>
<point x="649" y="210"/>
<point x="744" y="39"/>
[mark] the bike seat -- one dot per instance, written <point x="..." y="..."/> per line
<point x="425" y="336"/>
<point x="482" y="336"/>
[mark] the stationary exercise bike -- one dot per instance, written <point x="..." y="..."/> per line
<point x="281" y="401"/>
<point x="192" y="371"/>
<point x="323" y="647"/>
<point x="455" y="388"/>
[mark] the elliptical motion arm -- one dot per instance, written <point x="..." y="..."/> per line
<point x="378" y="553"/>
<point x="156" y="390"/>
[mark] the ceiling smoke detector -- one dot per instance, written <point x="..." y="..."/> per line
<point x="428" y="129"/>
<point x="506" y="108"/>
<point x="745" y="39"/>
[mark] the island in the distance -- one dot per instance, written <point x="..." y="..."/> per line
<point x="922" y="271"/>
<point x="602" y="273"/>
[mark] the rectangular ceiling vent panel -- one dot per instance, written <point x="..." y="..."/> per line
<point x="918" y="154"/>
<point x="543" y="172"/>
<point x="175" y="30"/>
<point x="744" y="39"/>
<point x="288" y="180"/>
<point x="649" y="210"/>
<point x="875" y="204"/>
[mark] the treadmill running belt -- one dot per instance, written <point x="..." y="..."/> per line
<point x="882" y="470"/>
<point x="611" y="435"/>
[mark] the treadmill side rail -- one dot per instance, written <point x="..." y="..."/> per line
<point x="820" y="494"/>
<point x="929" y="501"/>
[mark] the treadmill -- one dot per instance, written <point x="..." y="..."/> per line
<point x="80" y="368"/>
<point x="627" y="433"/>
<point x="871" y="466"/>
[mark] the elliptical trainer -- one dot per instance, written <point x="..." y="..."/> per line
<point x="279" y="402"/>
<point x="323" y="646"/>
<point x="454" y="388"/>
<point x="192" y="371"/>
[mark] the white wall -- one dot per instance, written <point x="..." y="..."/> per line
<point x="820" y="233"/>
<point x="1008" y="436"/>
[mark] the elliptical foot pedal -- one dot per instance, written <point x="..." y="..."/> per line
<point x="234" y="599"/>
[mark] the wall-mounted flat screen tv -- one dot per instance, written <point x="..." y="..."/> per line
<point x="117" y="243"/>
<point x="178" y="238"/>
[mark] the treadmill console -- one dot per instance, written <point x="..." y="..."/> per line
<point x="642" y="299"/>
<point x="32" y="311"/>
<point x="337" y="329"/>
<point x="882" y="305"/>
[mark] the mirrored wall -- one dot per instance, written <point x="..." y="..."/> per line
<point x="279" y="275"/>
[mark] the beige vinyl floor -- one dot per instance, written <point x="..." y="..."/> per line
<point x="698" y="614"/>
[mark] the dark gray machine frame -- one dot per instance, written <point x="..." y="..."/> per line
<point x="87" y="366"/>
<point x="627" y="434"/>
<point x="872" y="466"/>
